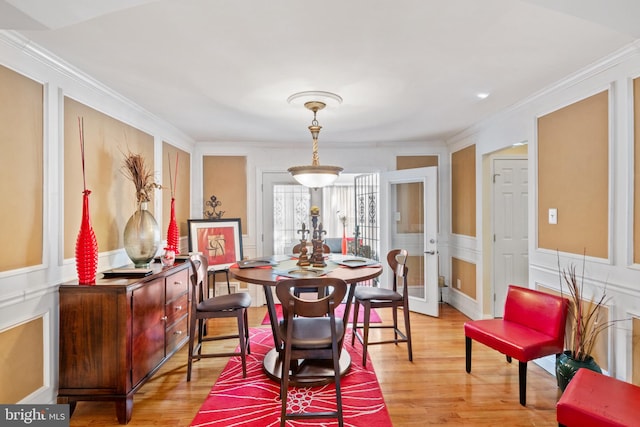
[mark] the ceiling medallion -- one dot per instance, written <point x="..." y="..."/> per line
<point x="327" y="98"/>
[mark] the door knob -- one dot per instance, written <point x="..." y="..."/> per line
<point x="430" y="252"/>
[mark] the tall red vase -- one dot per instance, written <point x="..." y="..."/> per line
<point x="86" y="247"/>
<point x="173" y="234"/>
<point x="344" y="241"/>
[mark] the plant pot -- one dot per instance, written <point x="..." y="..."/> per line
<point x="141" y="237"/>
<point x="567" y="366"/>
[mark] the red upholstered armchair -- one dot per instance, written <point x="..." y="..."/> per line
<point x="532" y="327"/>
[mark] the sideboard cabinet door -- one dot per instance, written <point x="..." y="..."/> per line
<point x="147" y="325"/>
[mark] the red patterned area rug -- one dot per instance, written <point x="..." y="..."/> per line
<point x="375" y="318"/>
<point x="255" y="401"/>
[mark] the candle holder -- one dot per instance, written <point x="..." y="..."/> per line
<point x="317" y="256"/>
<point x="303" y="259"/>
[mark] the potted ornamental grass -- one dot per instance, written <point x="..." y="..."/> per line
<point x="587" y="321"/>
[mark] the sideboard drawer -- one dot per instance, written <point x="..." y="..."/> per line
<point x="176" y="335"/>
<point x="177" y="284"/>
<point x="177" y="308"/>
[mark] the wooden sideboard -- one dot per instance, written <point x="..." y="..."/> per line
<point x="116" y="334"/>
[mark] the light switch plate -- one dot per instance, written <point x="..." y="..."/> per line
<point x="553" y="216"/>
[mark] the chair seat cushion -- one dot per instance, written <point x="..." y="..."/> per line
<point x="512" y="339"/>
<point x="592" y="399"/>
<point x="226" y="302"/>
<point x="370" y="293"/>
<point x="313" y="332"/>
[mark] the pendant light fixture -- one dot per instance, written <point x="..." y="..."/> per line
<point x="315" y="175"/>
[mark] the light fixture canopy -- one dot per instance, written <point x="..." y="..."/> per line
<point x="314" y="175"/>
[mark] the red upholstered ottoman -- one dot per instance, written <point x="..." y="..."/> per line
<point x="596" y="400"/>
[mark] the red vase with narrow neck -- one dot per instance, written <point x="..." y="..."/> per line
<point x="86" y="247"/>
<point x="344" y="241"/>
<point x="173" y="234"/>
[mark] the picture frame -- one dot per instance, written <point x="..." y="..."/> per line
<point x="219" y="240"/>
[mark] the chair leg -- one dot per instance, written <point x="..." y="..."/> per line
<point x="284" y="384"/>
<point x="394" y="310"/>
<point x="467" y="351"/>
<point x="246" y="330"/>
<point x="354" y="328"/>
<point x="226" y="272"/>
<point x="407" y="329"/>
<point x="365" y="335"/>
<point x="336" y="376"/>
<point x="192" y="331"/>
<point x="202" y="331"/>
<point x="522" y="373"/>
<point x="242" y="338"/>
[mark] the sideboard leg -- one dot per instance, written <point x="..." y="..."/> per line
<point x="124" y="409"/>
<point x="67" y="401"/>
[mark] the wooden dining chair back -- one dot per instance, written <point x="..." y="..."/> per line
<point x="310" y="330"/>
<point x="378" y="298"/>
<point x="203" y="308"/>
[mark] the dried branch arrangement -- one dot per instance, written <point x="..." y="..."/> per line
<point x="135" y="169"/>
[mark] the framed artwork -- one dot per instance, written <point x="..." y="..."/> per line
<point x="219" y="240"/>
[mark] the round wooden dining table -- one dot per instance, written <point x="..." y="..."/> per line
<point x="268" y="276"/>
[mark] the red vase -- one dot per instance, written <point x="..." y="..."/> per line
<point x="173" y="234"/>
<point x="344" y="241"/>
<point x="86" y="247"/>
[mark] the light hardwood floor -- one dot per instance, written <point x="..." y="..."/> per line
<point x="433" y="389"/>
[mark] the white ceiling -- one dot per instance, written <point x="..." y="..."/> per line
<point x="408" y="70"/>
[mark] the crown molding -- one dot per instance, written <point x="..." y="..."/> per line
<point x="23" y="44"/>
<point x="605" y="63"/>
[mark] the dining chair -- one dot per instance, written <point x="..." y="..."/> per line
<point x="310" y="330"/>
<point x="375" y="297"/>
<point x="203" y="308"/>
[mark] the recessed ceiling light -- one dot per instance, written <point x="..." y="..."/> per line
<point x="482" y="95"/>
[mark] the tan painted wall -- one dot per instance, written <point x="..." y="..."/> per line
<point x="21" y="163"/>
<point x="415" y="276"/>
<point x="21" y="371"/>
<point x="182" y="188"/>
<point x="410" y="198"/>
<point x="466" y="272"/>
<point x="113" y="198"/>
<point x="573" y="158"/>
<point x="413" y="162"/>
<point x="463" y="191"/>
<point x="412" y="193"/>
<point x="226" y="178"/>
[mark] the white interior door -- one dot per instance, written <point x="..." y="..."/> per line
<point x="408" y="210"/>
<point x="510" y="253"/>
